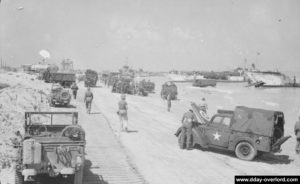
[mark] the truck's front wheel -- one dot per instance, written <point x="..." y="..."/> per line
<point x="245" y="151"/>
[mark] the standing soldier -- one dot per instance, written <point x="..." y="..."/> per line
<point x="122" y="112"/>
<point x="169" y="102"/>
<point x="297" y="133"/>
<point x="88" y="98"/>
<point x="186" y="131"/>
<point x="203" y="105"/>
<point x="74" y="88"/>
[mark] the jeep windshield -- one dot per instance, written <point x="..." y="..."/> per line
<point x="51" y="118"/>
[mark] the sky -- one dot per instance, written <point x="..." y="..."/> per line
<point x="156" y="35"/>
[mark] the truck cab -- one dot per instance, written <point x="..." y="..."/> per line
<point x="246" y="131"/>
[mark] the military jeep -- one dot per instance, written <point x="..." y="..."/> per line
<point x="247" y="131"/>
<point x="53" y="147"/>
<point x="59" y="96"/>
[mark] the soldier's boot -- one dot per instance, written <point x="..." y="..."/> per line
<point x="181" y="141"/>
<point x="189" y="143"/>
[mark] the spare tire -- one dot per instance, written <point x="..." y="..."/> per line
<point x="65" y="95"/>
<point x="74" y="132"/>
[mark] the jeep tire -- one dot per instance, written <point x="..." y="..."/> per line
<point x="245" y="151"/>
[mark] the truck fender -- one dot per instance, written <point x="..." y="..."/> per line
<point x="233" y="143"/>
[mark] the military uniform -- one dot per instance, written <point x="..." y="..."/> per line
<point x="74" y="88"/>
<point x="297" y="133"/>
<point x="169" y="102"/>
<point x="122" y="112"/>
<point x="88" y="98"/>
<point x="186" y="131"/>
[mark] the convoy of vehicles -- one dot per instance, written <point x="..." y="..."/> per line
<point x="53" y="147"/>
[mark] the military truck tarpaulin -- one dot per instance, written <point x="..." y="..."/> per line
<point x="258" y="121"/>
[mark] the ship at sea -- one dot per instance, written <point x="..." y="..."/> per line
<point x="176" y="76"/>
<point x="269" y="79"/>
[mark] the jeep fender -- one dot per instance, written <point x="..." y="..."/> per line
<point x="233" y="142"/>
<point x="199" y="137"/>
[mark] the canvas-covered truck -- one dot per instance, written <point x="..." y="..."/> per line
<point x="246" y="131"/>
<point x="64" y="79"/>
<point x="91" y="78"/>
<point x="204" y="83"/>
<point x="53" y="147"/>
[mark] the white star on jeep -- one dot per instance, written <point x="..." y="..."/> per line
<point x="216" y="136"/>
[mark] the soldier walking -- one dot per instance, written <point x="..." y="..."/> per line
<point x="88" y="98"/>
<point x="186" y="131"/>
<point x="74" y="88"/>
<point x="122" y="112"/>
<point x="297" y="133"/>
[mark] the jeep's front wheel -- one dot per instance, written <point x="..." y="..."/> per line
<point x="245" y="151"/>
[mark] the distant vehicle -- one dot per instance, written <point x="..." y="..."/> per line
<point x="247" y="131"/>
<point x="204" y="83"/>
<point x="169" y="88"/>
<point x="91" y="78"/>
<point x="147" y="86"/>
<point x="59" y="96"/>
<point x="124" y="85"/>
<point x="64" y="79"/>
<point x="50" y="148"/>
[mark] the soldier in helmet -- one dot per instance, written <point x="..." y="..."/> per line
<point x="88" y="98"/>
<point x="74" y="88"/>
<point x="122" y="112"/>
<point x="203" y="105"/>
<point x="186" y="131"/>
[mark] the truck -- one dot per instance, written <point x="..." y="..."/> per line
<point x="64" y="79"/>
<point x="59" y="96"/>
<point x="246" y="131"/>
<point x="125" y="85"/>
<point x="204" y="83"/>
<point x="148" y="86"/>
<point x="53" y="147"/>
<point x="91" y="78"/>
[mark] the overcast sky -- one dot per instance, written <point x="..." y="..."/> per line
<point x="153" y="34"/>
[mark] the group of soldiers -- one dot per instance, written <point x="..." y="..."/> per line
<point x="122" y="104"/>
<point x="88" y="96"/>
<point x="185" y="141"/>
